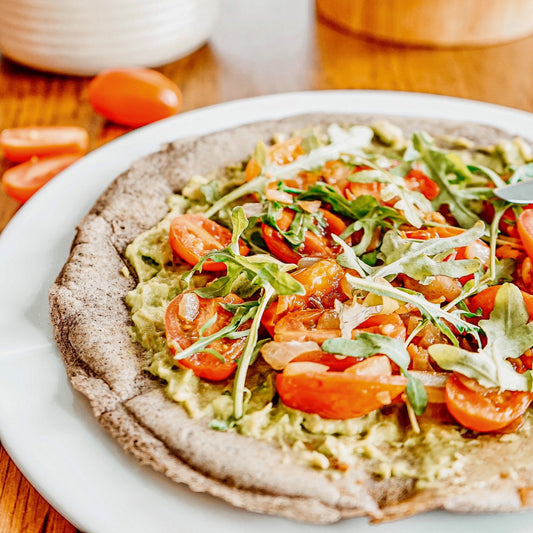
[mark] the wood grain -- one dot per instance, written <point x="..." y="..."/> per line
<point x="258" y="48"/>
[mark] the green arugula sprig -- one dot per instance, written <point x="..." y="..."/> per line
<point x="509" y="334"/>
<point x="369" y="344"/>
<point x="440" y="166"/>
<point x="430" y="311"/>
<point x="417" y="259"/>
<point x="262" y="272"/>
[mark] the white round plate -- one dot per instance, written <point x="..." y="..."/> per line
<point x="48" y="429"/>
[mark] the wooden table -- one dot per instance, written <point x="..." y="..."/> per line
<point x="258" y="48"/>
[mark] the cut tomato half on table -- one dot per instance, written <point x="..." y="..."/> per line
<point x="21" y="182"/>
<point x="336" y="395"/>
<point x="193" y="236"/>
<point x="481" y="409"/>
<point x="134" y="96"/>
<point x="21" y="144"/>
<point x="184" y="317"/>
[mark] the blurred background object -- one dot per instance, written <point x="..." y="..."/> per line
<point x="432" y="22"/>
<point x="84" y="37"/>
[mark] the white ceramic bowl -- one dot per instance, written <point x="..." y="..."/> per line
<point x="84" y="37"/>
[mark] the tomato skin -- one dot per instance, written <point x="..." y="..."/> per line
<point x="22" y="181"/>
<point x="134" y="96"/>
<point x="416" y="180"/>
<point x="185" y="333"/>
<point x="353" y="190"/>
<point x="314" y="245"/>
<point x="319" y="325"/>
<point x="338" y="395"/>
<point x="334" y="363"/>
<point x="193" y="236"/>
<point x="484" y="300"/>
<point x="21" y="144"/>
<point x="481" y="409"/>
<point x="525" y="230"/>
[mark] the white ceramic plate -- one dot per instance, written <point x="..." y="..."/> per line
<point x="48" y="429"/>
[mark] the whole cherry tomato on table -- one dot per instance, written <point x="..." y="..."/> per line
<point x="135" y="96"/>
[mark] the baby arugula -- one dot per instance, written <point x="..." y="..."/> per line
<point x="508" y="334"/>
<point x="261" y="272"/>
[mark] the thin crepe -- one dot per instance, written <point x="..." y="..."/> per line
<point x="91" y="323"/>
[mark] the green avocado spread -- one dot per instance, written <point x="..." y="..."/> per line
<point x="384" y="440"/>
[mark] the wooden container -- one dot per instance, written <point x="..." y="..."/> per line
<point x="432" y="22"/>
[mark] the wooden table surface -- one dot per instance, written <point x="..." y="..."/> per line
<point x="258" y="48"/>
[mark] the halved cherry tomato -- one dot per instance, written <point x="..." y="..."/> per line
<point x="353" y="190"/>
<point x="525" y="230"/>
<point x="323" y="285"/>
<point x="193" y="236"/>
<point x="24" y="180"/>
<point x="416" y="180"/>
<point x="184" y="331"/>
<point x="134" y="96"/>
<point x="484" y="300"/>
<point x="481" y="409"/>
<point x="319" y="325"/>
<point x="337" y="395"/>
<point x="314" y="245"/>
<point x="21" y="144"/>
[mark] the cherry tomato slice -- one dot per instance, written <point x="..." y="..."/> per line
<point x="353" y="190"/>
<point x="334" y="363"/>
<point x="193" y="236"/>
<point x="481" y="409"/>
<point x="134" y="96"/>
<point x="525" y="230"/>
<point x="319" y="325"/>
<point x="313" y="246"/>
<point x="23" y="181"/>
<point x="416" y="180"/>
<point x="337" y="395"/>
<point x="484" y="300"/>
<point x="183" y="331"/>
<point x="21" y="144"/>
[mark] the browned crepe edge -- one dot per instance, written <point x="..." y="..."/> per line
<point x="91" y="323"/>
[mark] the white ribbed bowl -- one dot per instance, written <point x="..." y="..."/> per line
<point x="84" y="37"/>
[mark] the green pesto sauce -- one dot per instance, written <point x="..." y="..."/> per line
<point x="384" y="440"/>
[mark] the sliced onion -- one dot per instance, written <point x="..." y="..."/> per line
<point x="189" y="306"/>
<point x="304" y="367"/>
<point x="307" y="261"/>
<point x="275" y="195"/>
<point x="253" y="209"/>
<point x="311" y="206"/>
<point x="279" y="354"/>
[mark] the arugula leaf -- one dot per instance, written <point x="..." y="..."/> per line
<point x="509" y="335"/>
<point x="413" y="258"/>
<point x="369" y="344"/>
<point x="524" y="172"/>
<point x="440" y="166"/>
<point x="430" y="311"/>
<point x="257" y="185"/>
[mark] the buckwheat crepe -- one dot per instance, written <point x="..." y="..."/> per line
<point x="92" y="323"/>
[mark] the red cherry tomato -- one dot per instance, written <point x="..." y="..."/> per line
<point x="193" y="236"/>
<point x="183" y="331"/>
<point x="134" y="96"/>
<point x="24" y="180"/>
<point x="416" y="180"/>
<point x="21" y="144"/>
<point x="337" y="395"/>
<point x="481" y="409"/>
